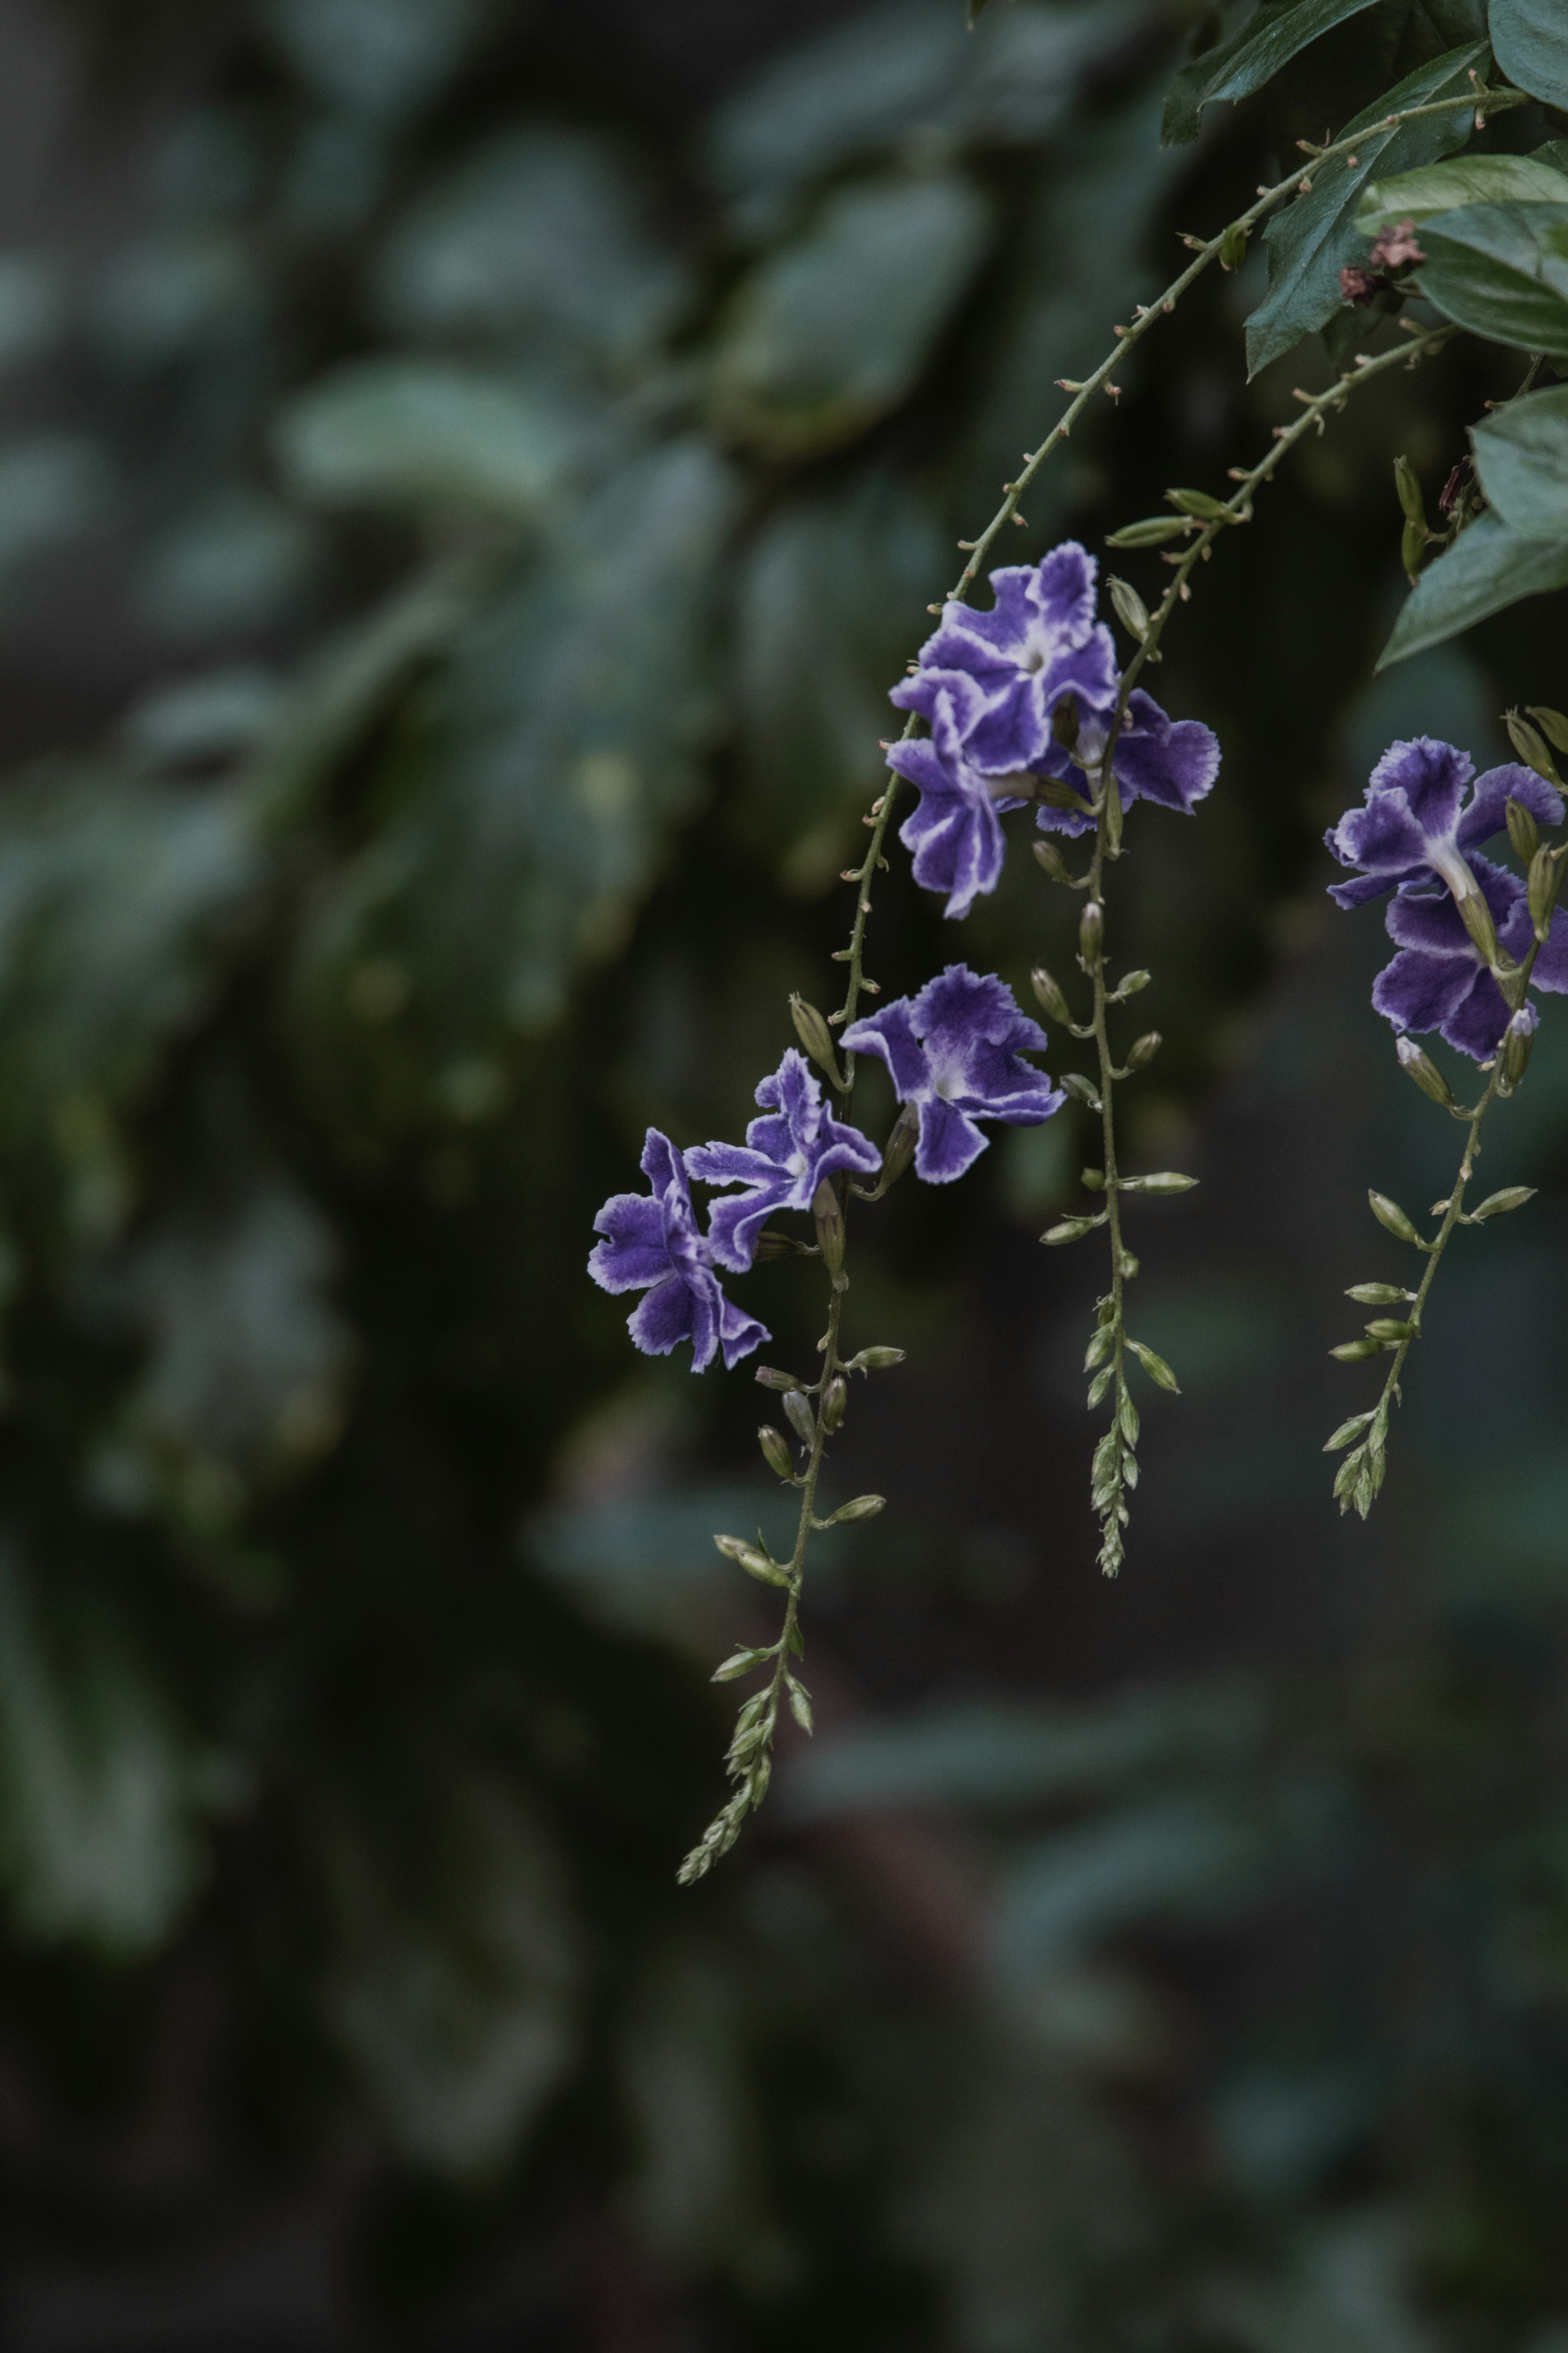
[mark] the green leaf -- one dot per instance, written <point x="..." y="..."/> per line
<point x="1250" y="58"/>
<point x="1488" y="567"/>
<point x="408" y="432"/>
<point x="1463" y="180"/>
<point x="1531" y="45"/>
<point x="1502" y="271"/>
<point x="1155" y="1367"/>
<point x="1313" y="238"/>
<point x="829" y="335"/>
<point x="1522" y="457"/>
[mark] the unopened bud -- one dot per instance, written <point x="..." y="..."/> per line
<point x="776" y="1451"/>
<point x="1200" y="504"/>
<point x="1064" y="723"/>
<point x="900" y="1149"/>
<point x="1131" y="983"/>
<point x="1524" y="833"/>
<point x="1551" y="724"/>
<point x="1497" y="1205"/>
<point x="755" y="1564"/>
<point x="1092" y="933"/>
<point x="863" y="1507"/>
<point x="829" y="1211"/>
<point x="1068" y="1229"/>
<point x="1092" y="1180"/>
<point x="1392" y="1218"/>
<point x="1049" y="993"/>
<point x="1143" y="1050"/>
<point x="1081" y="1090"/>
<point x="1111" y="814"/>
<point x="1545" y="880"/>
<point x="1517" y="1041"/>
<point x="769" y="1378"/>
<point x="1351" y="1352"/>
<point x="1168" y="1180"/>
<point x="1233" y="246"/>
<point x="1384" y="1329"/>
<point x="801" y="1420"/>
<point x="1130" y="611"/>
<point x="1530" y="746"/>
<point x="815" y="1036"/>
<point x="1053" y="861"/>
<point x="1377" y="1294"/>
<point x="1409" y="489"/>
<point x="875" y="1360"/>
<point x="1476" y="918"/>
<point x="771" y="1244"/>
<point x="1412" y="548"/>
<point x="1152" y="532"/>
<point x="835" y="1402"/>
<point x="1420" y="1067"/>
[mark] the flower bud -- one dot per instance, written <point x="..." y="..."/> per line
<point x="1551" y="724"/>
<point x="769" y="1378"/>
<point x="1167" y="1181"/>
<point x="1143" y="1050"/>
<point x="755" y="1564"/>
<point x="1545" y="880"/>
<point x="875" y="1360"/>
<point x="1409" y="489"/>
<point x="1412" y="548"/>
<point x="1091" y="934"/>
<point x="1130" y="611"/>
<point x="1131" y="982"/>
<point x="1497" y="1205"/>
<point x="1392" y="1220"/>
<point x="863" y="1507"/>
<point x="900" y="1149"/>
<point x="829" y="1211"/>
<point x="1069" y="1229"/>
<point x="1351" y="1352"/>
<point x="1056" y="794"/>
<point x="1152" y="532"/>
<point x="815" y="1036"/>
<point x="1053" y="861"/>
<point x="770" y="1245"/>
<point x="1517" y="1041"/>
<point x="1476" y="918"/>
<point x="1420" y="1067"/>
<point x="1093" y="1180"/>
<point x="1233" y="246"/>
<point x="1081" y="1090"/>
<point x="1384" y="1329"/>
<point x="1524" y="833"/>
<point x="1377" y="1294"/>
<point x="1049" y="994"/>
<point x="1064" y="723"/>
<point x="1530" y="746"/>
<point x="1200" y="504"/>
<point x="835" y="1402"/>
<point x="776" y="1451"/>
<point x="801" y="1418"/>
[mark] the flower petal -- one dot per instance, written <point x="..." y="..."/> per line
<point x="949" y="1142"/>
<point x="1420" y="991"/>
<point x="738" y="1334"/>
<point x="890" y="1036"/>
<point x="1173" y="762"/>
<point x="1431" y="775"/>
<point x="634" y="1251"/>
<point x="665" y="1317"/>
<point x="1477" y="1023"/>
<point x="1488" y="811"/>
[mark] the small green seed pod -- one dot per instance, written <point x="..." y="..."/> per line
<point x="1091" y="934"/>
<point x="828" y="1212"/>
<point x="1420" y="1067"/>
<point x="1143" y="1050"/>
<point x="835" y="1402"/>
<point x="1049" y="994"/>
<point x="776" y="1451"/>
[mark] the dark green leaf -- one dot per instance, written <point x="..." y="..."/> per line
<point x="419" y="434"/>
<point x="1250" y="58"/>
<point x="1310" y="243"/>
<point x="1488" y="567"/>
<point x="1530" y="39"/>
<point x="1502" y="271"/>
<point x="829" y="335"/>
<point x="1522" y="455"/>
<point x="1462" y="180"/>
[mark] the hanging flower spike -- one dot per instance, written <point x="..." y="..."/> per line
<point x="955" y="1051"/>
<point x="1416" y="822"/>
<point x="651" y="1244"/>
<point x="955" y="831"/>
<point x="1439" y="980"/>
<point x="1005" y="673"/>
<point x="783" y="1160"/>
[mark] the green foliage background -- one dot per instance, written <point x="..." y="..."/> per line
<point x="470" y="475"/>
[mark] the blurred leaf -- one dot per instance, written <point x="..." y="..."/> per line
<point x="1236" y="67"/>
<point x="1527" y="35"/>
<point x="380" y="58"/>
<point x="210" y="716"/>
<point x="417" y="434"/>
<point x="832" y="594"/>
<point x="997" y="1756"/>
<point x="1522" y="457"/>
<point x="31" y="307"/>
<point x="1068" y="1892"/>
<point x="100" y="1791"/>
<point x="638" y="1564"/>
<point x="176" y="296"/>
<point x="544" y="232"/>
<point x="235" y="563"/>
<point x="1463" y="180"/>
<point x="52" y="485"/>
<point x="1488" y="567"/>
<point x="459" y="2008"/>
<point x="1353" y="2285"/>
<point x="1025" y="66"/>
<point x="1502" y="271"/>
<point x="828" y="334"/>
<point x="1313" y="238"/>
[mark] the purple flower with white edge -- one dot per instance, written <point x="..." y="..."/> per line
<point x="954" y="1052"/>
<point x="783" y="1160"/>
<point x="1416" y="820"/>
<point x="1438" y="979"/>
<point x="954" y="830"/>
<point x="1171" y="761"/>
<point x="651" y="1244"/>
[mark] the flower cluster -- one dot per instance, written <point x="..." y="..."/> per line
<point x="953" y="1053"/>
<point x="1418" y="835"/>
<point x="1024" y="693"/>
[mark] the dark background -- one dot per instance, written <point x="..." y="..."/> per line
<point x="470" y="476"/>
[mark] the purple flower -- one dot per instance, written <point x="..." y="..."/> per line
<point x="783" y="1160"/>
<point x="651" y="1244"/>
<point x="1416" y="822"/>
<point x="1437" y="980"/>
<point x="954" y="832"/>
<point x="1003" y="675"/>
<point x="953" y="1050"/>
